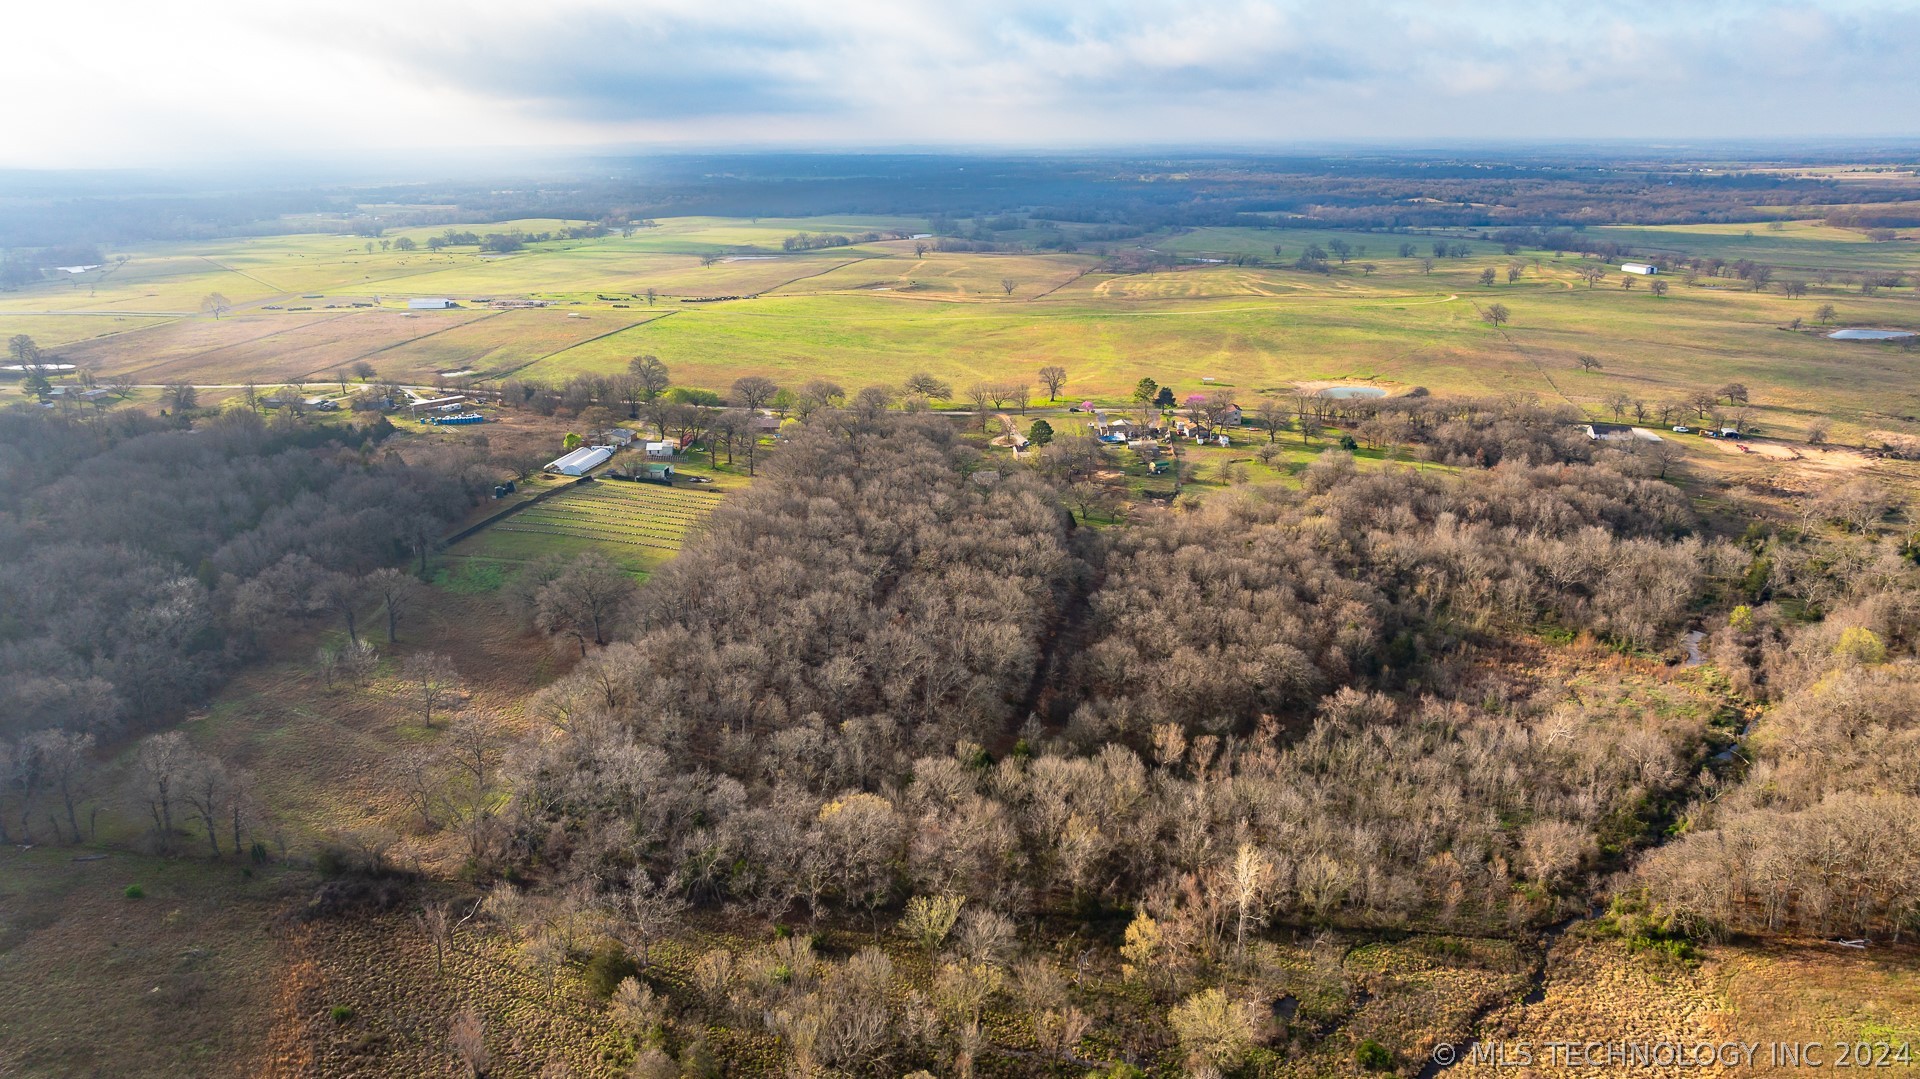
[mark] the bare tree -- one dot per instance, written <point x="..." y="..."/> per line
<point x="1054" y="378"/>
<point x="180" y="396"/>
<point x="468" y="1038"/>
<point x="215" y="304"/>
<point x="208" y="793"/>
<point x="356" y="662"/>
<point x="1008" y="284"/>
<point x="928" y="386"/>
<point x="1587" y="362"/>
<point x="1496" y="314"/>
<point x="1248" y="879"/>
<point x="589" y="600"/>
<point x="436" y="921"/>
<point x="648" y="911"/>
<point x="1271" y="416"/>
<point x="433" y="682"/>
<point x="818" y="393"/>
<point x="980" y="395"/>
<point x="752" y="392"/>
<point x="397" y="592"/>
<point x="64" y="760"/>
<point x="652" y="374"/>
<point x="474" y="749"/>
<point x="163" y="766"/>
<point x="342" y="594"/>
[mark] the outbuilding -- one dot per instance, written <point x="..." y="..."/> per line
<point x="1644" y="269"/>
<point x="660" y="450"/>
<point x="581" y="461"/>
<point x="429" y="303"/>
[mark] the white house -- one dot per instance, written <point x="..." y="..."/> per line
<point x="581" y="461"/>
<point x="662" y="450"/>
<point x="429" y="303"/>
<point x="1644" y="269"/>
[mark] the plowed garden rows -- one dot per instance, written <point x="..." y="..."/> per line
<point x="606" y="514"/>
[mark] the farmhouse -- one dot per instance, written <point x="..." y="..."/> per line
<point x="617" y="436"/>
<point x="1644" y="269"/>
<point x="429" y="303"/>
<point x="580" y="461"/>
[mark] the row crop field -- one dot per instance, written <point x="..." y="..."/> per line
<point x="637" y="525"/>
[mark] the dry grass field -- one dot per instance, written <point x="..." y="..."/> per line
<point x="1598" y="991"/>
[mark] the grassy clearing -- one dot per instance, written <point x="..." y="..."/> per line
<point x="177" y="982"/>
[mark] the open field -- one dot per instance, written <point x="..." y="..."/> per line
<point x="876" y="312"/>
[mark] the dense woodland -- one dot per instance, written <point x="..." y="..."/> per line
<point x="145" y="557"/>
<point x="1035" y="715"/>
<point x="900" y="686"/>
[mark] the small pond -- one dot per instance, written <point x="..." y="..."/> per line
<point x="1348" y="393"/>
<point x="1869" y="335"/>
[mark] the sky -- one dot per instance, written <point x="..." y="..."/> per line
<point x="112" y="83"/>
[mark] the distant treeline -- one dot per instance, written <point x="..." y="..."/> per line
<point x="1126" y="194"/>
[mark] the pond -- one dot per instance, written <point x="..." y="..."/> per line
<point x="1348" y="393"/>
<point x="1869" y="335"/>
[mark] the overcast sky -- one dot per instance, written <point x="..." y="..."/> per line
<point x="111" y="82"/>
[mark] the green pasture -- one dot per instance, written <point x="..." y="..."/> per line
<point x="877" y="312"/>
<point x="1796" y="245"/>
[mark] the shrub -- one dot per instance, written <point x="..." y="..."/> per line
<point x="1861" y="645"/>
<point x="341" y="1013"/>
<point x="1213" y="1028"/>
<point x="134" y="891"/>
<point x="1373" y="1056"/>
<point x="608" y="967"/>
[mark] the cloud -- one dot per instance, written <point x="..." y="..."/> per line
<point x="126" y="81"/>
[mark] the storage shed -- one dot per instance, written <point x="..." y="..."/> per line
<point x="660" y="450"/>
<point x="429" y="303"/>
<point x="1644" y="269"/>
<point x="581" y="461"/>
